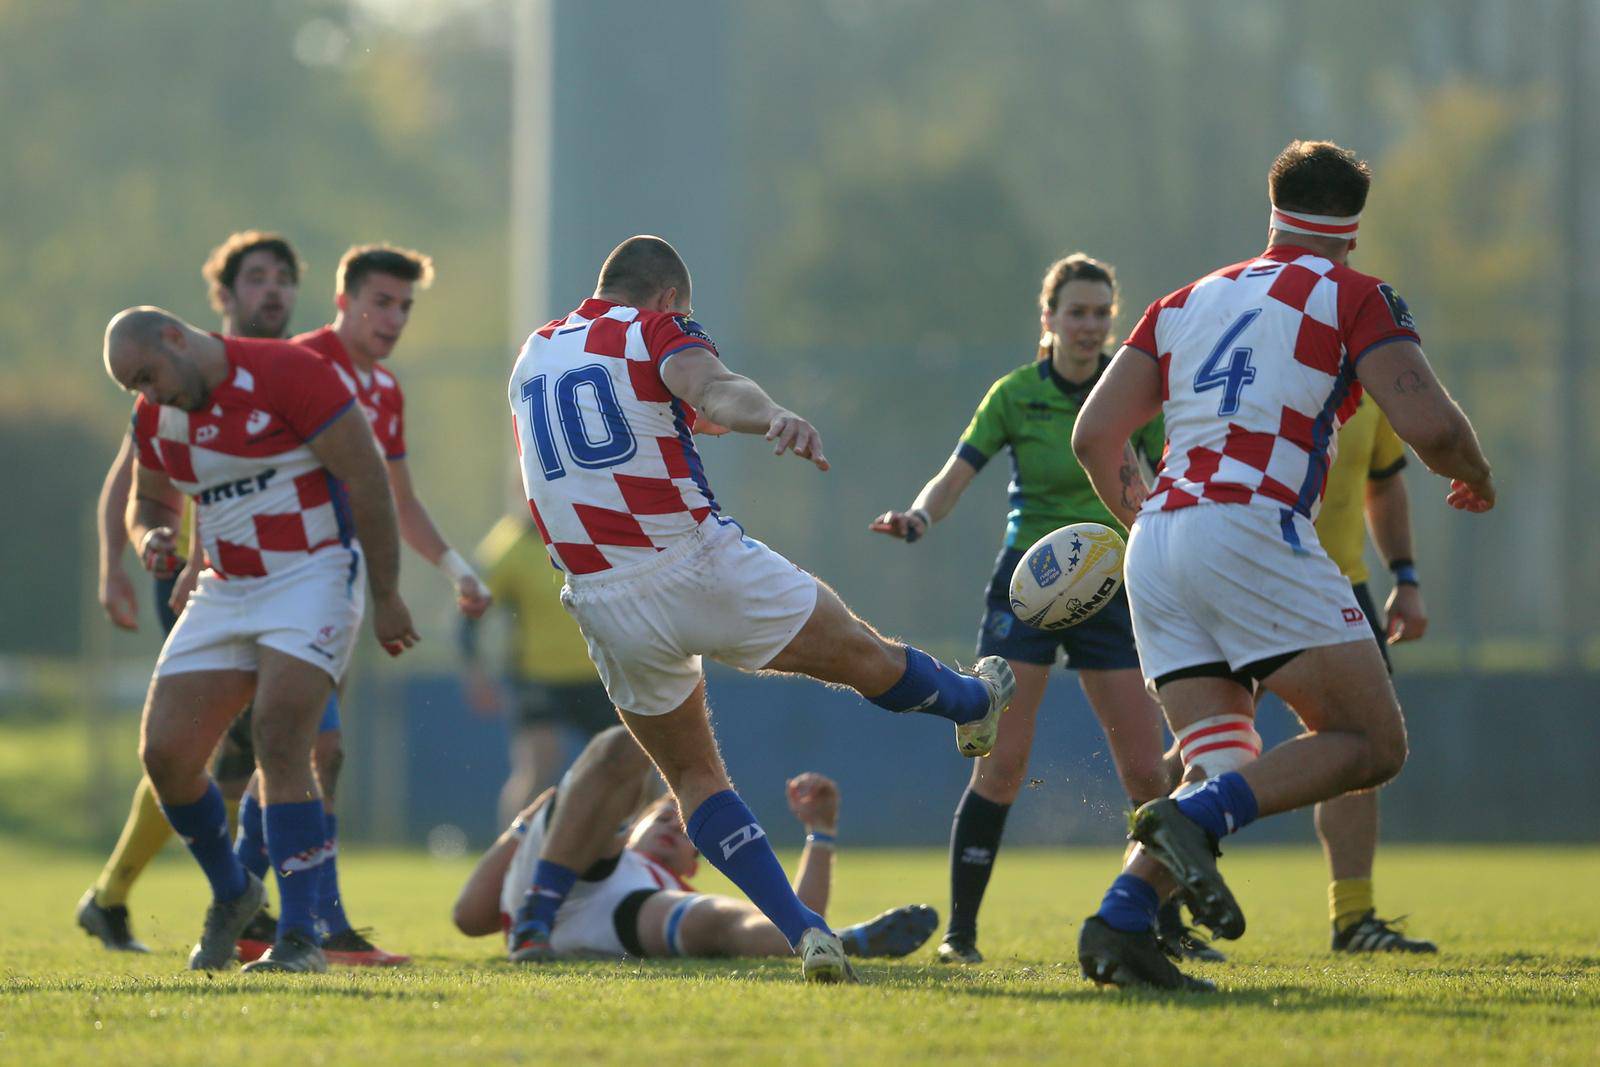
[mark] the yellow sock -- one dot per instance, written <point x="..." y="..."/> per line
<point x="143" y="835"/>
<point x="1348" y="900"/>
<point x="233" y="817"/>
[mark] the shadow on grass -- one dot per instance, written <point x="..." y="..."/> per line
<point x="1061" y="983"/>
<point x="221" y="985"/>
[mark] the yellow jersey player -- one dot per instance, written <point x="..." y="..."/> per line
<point x="550" y="679"/>
<point x="1365" y="481"/>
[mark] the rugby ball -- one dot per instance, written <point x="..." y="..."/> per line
<point x="1067" y="576"/>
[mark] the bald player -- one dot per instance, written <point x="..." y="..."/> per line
<point x="285" y="474"/>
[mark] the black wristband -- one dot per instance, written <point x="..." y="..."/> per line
<point x="1404" y="571"/>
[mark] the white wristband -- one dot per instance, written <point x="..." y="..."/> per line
<point x="922" y="513"/>
<point x="456" y="567"/>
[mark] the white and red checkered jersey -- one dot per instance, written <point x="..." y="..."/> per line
<point x="378" y="393"/>
<point x="262" y="499"/>
<point x="608" y="456"/>
<point x="1258" y="370"/>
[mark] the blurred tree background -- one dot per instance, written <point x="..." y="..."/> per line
<point x="905" y="171"/>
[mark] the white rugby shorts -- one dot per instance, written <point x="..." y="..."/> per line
<point x="1222" y="583"/>
<point x="716" y="593"/>
<point x="585" y="925"/>
<point x="311" y="611"/>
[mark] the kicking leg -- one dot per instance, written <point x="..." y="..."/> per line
<point x="836" y="646"/>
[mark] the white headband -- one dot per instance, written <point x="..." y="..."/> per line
<point x="1339" y="227"/>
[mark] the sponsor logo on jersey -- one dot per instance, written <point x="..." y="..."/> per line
<point x="740" y="838"/>
<point x="1046" y="570"/>
<point x="258" y="421"/>
<point x="206" y="434"/>
<point x="243" y="487"/>
<point x="691" y="328"/>
<point x="1397" y="307"/>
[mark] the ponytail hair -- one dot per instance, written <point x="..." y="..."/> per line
<point x="1074" y="268"/>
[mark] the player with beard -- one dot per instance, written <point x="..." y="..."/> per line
<point x="375" y="292"/>
<point x="253" y="279"/>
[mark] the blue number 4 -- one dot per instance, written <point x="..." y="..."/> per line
<point x="611" y="444"/>
<point x="1238" y="372"/>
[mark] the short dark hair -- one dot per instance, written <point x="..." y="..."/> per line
<point x="1319" y="178"/>
<point x="221" y="268"/>
<point x="641" y="267"/>
<point x="402" y="263"/>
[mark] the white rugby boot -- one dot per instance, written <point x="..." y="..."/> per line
<point x="974" y="739"/>
<point x="822" y="958"/>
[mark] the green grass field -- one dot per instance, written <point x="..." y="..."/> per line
<point x="1518" y="981"/>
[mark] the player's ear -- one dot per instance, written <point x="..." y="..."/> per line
<point x="341" y="301"/>
<point x="667" y="299"/>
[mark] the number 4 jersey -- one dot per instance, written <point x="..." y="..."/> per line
<point x="1258" y="370"/>
<point x="607" y="452"/>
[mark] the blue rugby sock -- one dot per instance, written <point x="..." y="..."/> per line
<point x="1223" y="805"/>
<point x="551" y="884"/>
<point x="727" y="834"/>
<point x="330" y="907"/>
<point x="931" y="687"/>
<point x="1130" y="905"/>
<point x="203" y="826"/>
<point x="251" y="844"/>
<point x="297" y="837"/>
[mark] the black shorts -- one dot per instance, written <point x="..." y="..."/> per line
<point x="625" y="920"/>
<point x="1376" y="620"/>
<point x="1103" y="642"/>
<point x="584" y="706"/>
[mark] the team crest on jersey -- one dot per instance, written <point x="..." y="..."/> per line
<point x="691" y="328"/>
<point x="257" y="422"/>
<point x="1397" y="307"/>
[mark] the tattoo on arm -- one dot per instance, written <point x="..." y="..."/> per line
<point x="1410" y="382"/>
<point x="1133" y="487"/>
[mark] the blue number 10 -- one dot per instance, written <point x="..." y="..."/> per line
<point x="611" y="442"/>
<point x="1238" y="373"/>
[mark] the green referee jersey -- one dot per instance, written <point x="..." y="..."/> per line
<point x="1031" y="412"/>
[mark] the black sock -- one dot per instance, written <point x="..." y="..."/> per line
<point x="974" y="841"/>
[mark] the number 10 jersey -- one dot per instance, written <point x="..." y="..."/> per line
<point x="1258" y="370"/>
<point x="607" y="452"/>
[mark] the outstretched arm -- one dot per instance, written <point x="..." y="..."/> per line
<point x="738" y="403"/>
<point x="814" y="799"/>
<point x="937" y="499"/>
<point x="1127" y="396"/>
<point x="1398" y="376"/>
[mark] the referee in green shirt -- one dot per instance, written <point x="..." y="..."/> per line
<point x="1031" y="412"/>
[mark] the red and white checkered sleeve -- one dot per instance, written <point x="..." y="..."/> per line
<point x="146" y="417"/>
<point x="1371" y="313"/>
<point x="304" y="391"/>
<point x="1143" y="336"/>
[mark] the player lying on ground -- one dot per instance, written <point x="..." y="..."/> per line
<point x="633" y="897"/>
<point x="604" y="403"/>
<point x="1254" y="367"/>
<point x="285" y="474"/>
